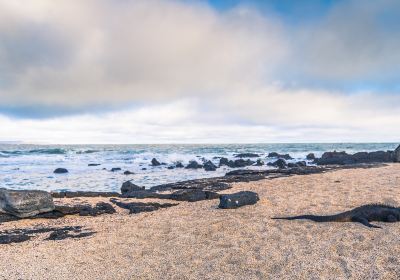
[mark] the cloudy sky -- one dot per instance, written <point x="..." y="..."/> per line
<point x="176" y="71"/>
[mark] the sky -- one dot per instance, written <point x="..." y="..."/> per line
<point x="199" y="71"/>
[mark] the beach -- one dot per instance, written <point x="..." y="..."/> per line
<point x="199" y="241"/>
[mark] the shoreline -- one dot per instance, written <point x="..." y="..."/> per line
<point x="197" y="240"/>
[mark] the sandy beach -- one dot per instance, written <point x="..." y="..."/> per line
<point x="199" y="241"/>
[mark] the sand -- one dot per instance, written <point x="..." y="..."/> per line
<point x="199" y="241"/>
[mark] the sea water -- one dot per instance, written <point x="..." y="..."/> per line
<point x="32" y="166"/>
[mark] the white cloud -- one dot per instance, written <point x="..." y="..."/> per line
<point x="194" y="74"/>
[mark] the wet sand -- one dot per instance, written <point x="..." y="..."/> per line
<point x="199" y="241"/>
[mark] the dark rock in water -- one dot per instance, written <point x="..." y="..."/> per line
<point x="334" y="157"/>
<point x="193" y="195"/>
<point x="155" y="162"/>
<point x="259" y="162"/>
<point x="276" y="155"/>
<point x="240" y="163"/>
<point x="179" y="165"/>
<point x="144" y="168"/>
<point x="128" y="186"/>
<point x="280" y="163"/>
<point x="138" y="207"/>
<point x="209" y="166"/>
<point x="60" y="171"/>
<point x="171" y="167"/>
<point x="69" y="194"/>
<point x="342" y="158"/>
<point x="396" y="154"/>
<point x="297" y="164"/>
<point x="127" y="172"/>
<point x="94" y="164"/>
<point x="194" y="165"/>
<point x="223" y="161"/>
<point x="310" y="156"/>
<point x="114" y="169"/>
<point x="25" y="203"/>
<point x="100" y="209"/>
<point x="239" y="199"/>
<point x="247" y="155"/>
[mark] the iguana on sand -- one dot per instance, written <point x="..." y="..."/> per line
<point x="363" y="214"/>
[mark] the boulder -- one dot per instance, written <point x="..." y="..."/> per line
<point x="247" y="155"/>
<point x="240" y="163"/>
<point x="193" y="195"/>
<point x="127" y="172"/>
<point x="24" y="204"/>
<point x="171" y="167"/>
<point x="340" y="158"/>
<point x="239" y="199"/>
<point x="194" y="165"/>
<point x="60" y="171"/>
<point x="223" y="161"/>
<point x="280" y="163"/>
<point x="179" y="165"/>
<point x="276" y="155"/>
<point x="155" y="162"/>
<point x="115" y="169"/>
<point x="259" y="162"/>
<point x="310" y="156"/>
<point x="396" y="155"/>
<point x="209" y="166"/>
<point x="128" y="187"/>
<point x="94" y="164"/>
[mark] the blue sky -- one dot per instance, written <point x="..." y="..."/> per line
<point x="138" y="71"/>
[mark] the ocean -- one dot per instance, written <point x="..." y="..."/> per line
<point x="31" y="166"/>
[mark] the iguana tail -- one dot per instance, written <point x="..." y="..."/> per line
<point x="320" y="219"/>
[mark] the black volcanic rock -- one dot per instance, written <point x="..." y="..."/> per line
<point x="194" y="165"/>
<point x="25" y="203"/>
<point x="280" y="163"/>
<point x="342" y="158"/>
<point x="138" y="207"/>
<point x="94" y="164"/>
<point x="259" y="162"/>
<point x="179" y="165"/>
<point x="155" y="162"/>
<point x="115" y="169"/>
<point x="396" y="154"/>
<point x="276" y="155"/>
<point x="127" y="172"/>
<point x="209" y="166"/>
<point x="128" y="186"/>
<point x="247" y="155"/>
<point x="310" y="156"/>
<point x="223" y="161"/>
<point x="193" y="195"/>
<point x="239" y="199"/>
<point x="60" y="171"/>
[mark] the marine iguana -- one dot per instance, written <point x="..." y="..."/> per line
<point x="363" y="214"/>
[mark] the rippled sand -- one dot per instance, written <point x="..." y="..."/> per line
<point x="199" y="241"/>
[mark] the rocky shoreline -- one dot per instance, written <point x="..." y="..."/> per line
<point x="16" y="205"/>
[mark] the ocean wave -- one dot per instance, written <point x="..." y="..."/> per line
<point x="54" y="151"/>
<point x="87" y="152"/>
